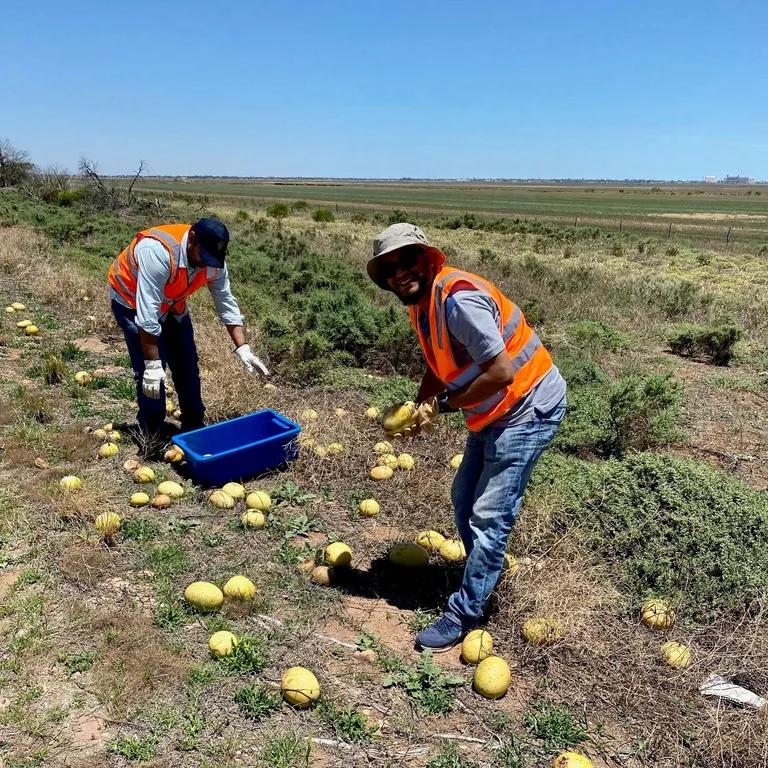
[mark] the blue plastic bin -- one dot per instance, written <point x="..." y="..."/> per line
<point x="239" y="448"/>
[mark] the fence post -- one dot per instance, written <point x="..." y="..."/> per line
<point x="669" y="231"/>
<point x="621" y="224"/>
<point x="728" y="236"/>
<point x="576" y="222"/>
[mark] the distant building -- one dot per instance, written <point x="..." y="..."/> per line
<point x="710" y="179"/>
<point x="738" y="180"/>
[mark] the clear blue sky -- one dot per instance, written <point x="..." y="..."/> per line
<point x="615" y="88"/>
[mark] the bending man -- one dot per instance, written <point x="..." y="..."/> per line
<point x="150" y="282"/>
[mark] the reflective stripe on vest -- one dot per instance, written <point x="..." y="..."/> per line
<point x="530" y="360"/>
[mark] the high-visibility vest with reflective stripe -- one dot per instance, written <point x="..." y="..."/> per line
<point x="124" y="272"/>
<point x="530" y="360"/>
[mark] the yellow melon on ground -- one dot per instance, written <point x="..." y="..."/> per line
<point x="174" y="454"/>
<point x="131" y="465"/>
<point x="373" y="413"/>
<point x="306" y="566"/>
<point x="676" y="654"/>
<point x="32" y="330"/>
<point x="336" y="449"/>
<point x="405" y="461"/>
<point x="169" y="407"/>
<point x="571" y="760"/>
<point x="170" y="488"/>
<point x="204" y="596"/>
<point x="387" y="460"/>
<point x="144" y="475"/>
<point x="382" y="473"/>
<point x="320" y="451"/>
<point x="453" y="550"/>
<point x="239" y="588"/>
<point x="456" y="460"/>
<point x="541" y="631"/>
<point x="408" y="554"/>
<point x="99" y="433"/>
<point x="70" y="483"/>
<point x="18" y="306"/>
<point x="368" y="508"/>
<point x="235" y="490"/>
<point x="300" y="687"/>
<point x="139" y="499"/>
<point x="308" y="415"/>
<point x="431" y="540"/>
<point x="476" y="646"/>
<point x="252" y="518"/>
<point x="259" y="500"/>
<point x="108" y="524"/>
<point x="162" y="501"/>
<point x="10" y="310"/>
<point x="322" y="575"/>
<point x="657" y="614"/>
<point x="338" y="554"/>
<point x="83" y="377"/>
<point x="108" y="450"/>
<point x="23" y="324"/>
<point x="114" y="435"/>
<point x="383" y="447"/>
<point x="492" y="677"/>
<point x="221" y="500"/>
<point x="222" y="643"/>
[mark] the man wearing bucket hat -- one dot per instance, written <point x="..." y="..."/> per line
<point x="150" y="282"/>
<point x="484" y="359"/>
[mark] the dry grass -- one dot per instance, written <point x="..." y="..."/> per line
<point x="607" y="668"/>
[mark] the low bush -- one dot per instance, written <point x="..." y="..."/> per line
<point x="666" y="526"/>
<point x="714" y="342"/>
<point x="610" y="417"/>
<point x="323" y="215"/>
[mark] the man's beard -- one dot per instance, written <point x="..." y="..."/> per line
<point x="416" y="297"/>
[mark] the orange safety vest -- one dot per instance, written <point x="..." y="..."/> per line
<point x="530" y="360"/>
<point x="124" y="272"/>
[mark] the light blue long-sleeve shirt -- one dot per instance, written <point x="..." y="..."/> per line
<point x="154" y="274"/>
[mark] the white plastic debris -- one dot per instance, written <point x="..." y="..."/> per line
<point x="718" y="686"/>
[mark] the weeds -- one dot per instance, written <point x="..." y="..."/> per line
<point x="256" y="701"/>
<point x="348" y="723"/>
<point x="450" y="757"/>
<point x="429" y="687"/>
<point x="250" y="655"/>
<point x="134" y="750"/>
<point x="78" y="662"/>
<point x="286" y="750"/>
<point x="140" y="529"/>
<point x="168" y="560"/>
<point x="554" y="725"/>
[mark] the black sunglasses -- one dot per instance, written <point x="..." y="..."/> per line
<point x="406" y="261"/>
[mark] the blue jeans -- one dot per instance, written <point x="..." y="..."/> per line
<point x="176" y="345"/>
<point x="486" y="494"/>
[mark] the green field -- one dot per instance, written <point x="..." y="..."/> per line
<point x="702" y="213"/>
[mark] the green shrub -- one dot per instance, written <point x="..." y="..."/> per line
<point x="299" y="205"/>
<point x="714" y="342"/>
<point x="427" y="684"/>
<point x="450" y="757"/>
<point x="323" y="215"/>
<point x="609" y="417"/>
<point x="594" y="336"/>
<point x="242" y="216"/>
<point x="277" y="211"/>
<point x="348" y="723"/>
<point x="665" y="526"/>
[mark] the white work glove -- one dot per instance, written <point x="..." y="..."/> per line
<point x="154" y="376"/>
<point x="250" y="361"/>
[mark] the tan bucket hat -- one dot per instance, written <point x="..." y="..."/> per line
<point x="395" y="237"/>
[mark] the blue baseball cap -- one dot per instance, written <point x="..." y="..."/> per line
<point x="212" y="237"/>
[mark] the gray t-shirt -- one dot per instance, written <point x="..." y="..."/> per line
<point x="473" y="328"/>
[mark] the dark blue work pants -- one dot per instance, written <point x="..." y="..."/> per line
<point x="176" y="345"/>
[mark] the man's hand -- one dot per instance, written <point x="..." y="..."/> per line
<point x="250" y="361"/>
<point x="154" y="376"/>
